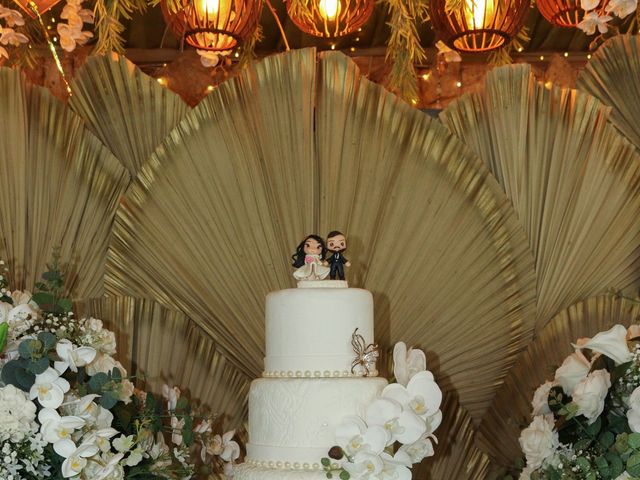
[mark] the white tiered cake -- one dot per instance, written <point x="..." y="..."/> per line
<point x="308" y="386"/>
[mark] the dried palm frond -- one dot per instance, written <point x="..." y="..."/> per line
<point x="612" y="76"/>
<point x="573" y="181"/>
<point x="456" y="455"/>
<point x="132" y="128"/>
<point x="59" y="189"/>
<point x="511" y="409"/>
<point x="159" y="346"/>
<point x="213" y="219"/>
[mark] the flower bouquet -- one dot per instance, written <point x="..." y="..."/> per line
<point x="586" y="422"/>
<point x="398" y="428"/>
<point x="69" y="410"/>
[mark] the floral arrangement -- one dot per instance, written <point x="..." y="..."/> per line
<point x="69" y="410"/>
<point x="9" y="19"/>
<point x="598" y="20"/>
<point x="71" y="33"/>
<point x="398" y="428"/>
<point x="586" y="421"/>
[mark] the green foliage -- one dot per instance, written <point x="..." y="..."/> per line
<point x="4" y="331"/>
<point x="403" y="48"/>
<point x="109" y="15"/>
<point x="50" y="291"/>
<point x="107" y="385"/>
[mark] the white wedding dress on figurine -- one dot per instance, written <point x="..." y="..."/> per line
<point x="312" y="269"/>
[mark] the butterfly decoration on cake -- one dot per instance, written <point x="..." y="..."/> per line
<point x="366" y="356"/>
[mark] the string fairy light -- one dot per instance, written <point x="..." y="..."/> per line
<point x="52" y="47"/>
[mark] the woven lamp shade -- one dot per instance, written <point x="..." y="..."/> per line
<point x="478" y="25"/>
<point x="213" y="25"/>
<point x="332" y="18"/>
<point x="40" y="5"/>
<point x="565" y="13"/>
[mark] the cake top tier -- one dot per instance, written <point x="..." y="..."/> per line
<point x="310" y="331"/>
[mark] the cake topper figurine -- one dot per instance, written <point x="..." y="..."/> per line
<point x="366" y="355"/>
<point x="337" y="245"/>
<point x="308" y="259"/>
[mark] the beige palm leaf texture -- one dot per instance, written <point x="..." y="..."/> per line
<point x="489" y="237"/>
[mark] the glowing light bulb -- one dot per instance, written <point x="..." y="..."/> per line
<point x="479" y="13"/>
<point x="329" y="8"/>
<point x="211" y="6"/>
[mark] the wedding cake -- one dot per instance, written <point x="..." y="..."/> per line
<point x="315" y="366"/>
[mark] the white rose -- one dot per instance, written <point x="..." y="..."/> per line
<point x="540" y="402"/>
<point x="126" y="391"/>
<point x="574" y="368"/>
<point x="612" y="343"/>
<point x="539" y="441"/>
<point x="633" y="414"/>
<point x="94" y="324"/>
<point x="590" y="394"/>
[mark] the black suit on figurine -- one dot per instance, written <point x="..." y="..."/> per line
<point x="336" y="265"/>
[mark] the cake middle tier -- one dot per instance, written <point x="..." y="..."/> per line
<point x="292" y="421"/>
<point x="309" y="331"/>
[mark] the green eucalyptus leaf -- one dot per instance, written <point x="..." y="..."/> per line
<point x="594" y="428"/>
<point x="116" y="374"/>
<point x="607" y="439"/>
<point x="633" y="465"/>
<point x="616" y="465"/>
<point x="634" y="440"/>
<point x="329" y="475"/>
<point x="98" y="381"/>
<point x="38" y="366"/>
<point x="48" y="340"/>
<point x="182" y="404"/>
<point x="25" y="379"/>
<point x="325" y="462"/>
<point x="108" y="400"/>
<point x="43" y="298"/>
<point x="582" y="444"/>
<point x="26" y="349"/>
<point x="65" y="304"/>
<point x="344" y="475"/>
<point x="602" y="465"/>
<point x="187" y="431"/>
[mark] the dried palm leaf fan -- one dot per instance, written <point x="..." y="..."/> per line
<point x="478" y="25"/>
<point x="40" y="6"/>
<point x="511" y="408"/>
<point x="573" y="180"/>
<point x="132" y="129"/>
<point x="435" y="239"/>
<point x="612" y="77"/>
<point x="59" y="189"/>
<point x="566" y="13"/>
<point x="213" y="25"/>
<point x="330" y="18"/>
<point x="218" y="210"/>
<point x="457" y="456"/>
<point x="161" y="346"/>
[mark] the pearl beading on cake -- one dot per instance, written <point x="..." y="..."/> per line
<point x="287" y="465"/>
<point x="314" y="374"/>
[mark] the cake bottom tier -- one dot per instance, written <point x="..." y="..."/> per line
<point x="250" y="472"/>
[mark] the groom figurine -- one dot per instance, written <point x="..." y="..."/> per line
<point x="336" y="245"/>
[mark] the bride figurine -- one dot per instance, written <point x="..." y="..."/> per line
<point x="308" y="259"/>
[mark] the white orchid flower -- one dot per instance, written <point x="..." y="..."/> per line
<point x="354" y="436"/>
<point x="419" y="450"/>
<point x="123" y="443"/>
<point x="449" y="55"/>
<point x="612" y="343"/>
<point x="105" y="471"/>
<point x="11" y="17"/>
<point x="49" y="388"/>
<point x="134" y="458"/>
<point x="228" y="470"/>
<point x="55" y="428"/>
<point x="365" y="466"/>
<point x="422" y="395"/>
<point x="101" y="438"/>
<point x="395" y="467"/>
<point x="406" y="364"/>
<point x="401" y="425"/>
<point x="574" y="368"/>
<point x="75" y="457"/>
<point x="433" y="422"/>
<point x="73" y="356"/>
<point x="588" y="5"/>
<point x="176" y="430"/>
<point x="593" y="21"/>
<point x="622" y="8"/>
<point x="8" y="36"/>
<point x="230" y="448"/>
<point x="171" y="395"/>
<point x="71" y="36"/>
